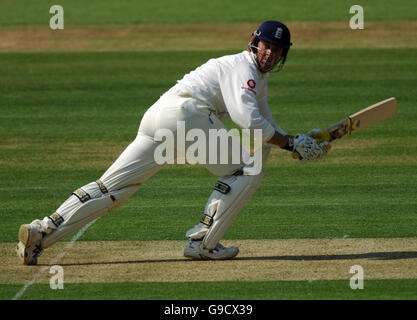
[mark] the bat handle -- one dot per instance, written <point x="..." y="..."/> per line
<point x="349" y="126"/>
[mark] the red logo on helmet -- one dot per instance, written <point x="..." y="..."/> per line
<point x="251" y="86"/>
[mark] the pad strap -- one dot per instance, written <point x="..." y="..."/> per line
<point x="222" y="187"/>
<point x="206" y="220"/>
<point x="56" y="219"/>
<point x="81" y="195"/>
<point x="102" y="187"/>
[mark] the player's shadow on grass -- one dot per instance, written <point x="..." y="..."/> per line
<point x="371" y="255"/>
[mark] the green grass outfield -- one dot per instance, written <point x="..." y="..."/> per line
<point x="27" y="12"/>
<point x="65" y="117"/>
<point x="238" y="290"/>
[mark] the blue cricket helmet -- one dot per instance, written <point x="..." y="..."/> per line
<point x="274" y="32"/>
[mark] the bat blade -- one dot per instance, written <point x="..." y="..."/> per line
<point x="357" y="121"/>
<point x="362" y="119"/>
<point x="373" y="114"/>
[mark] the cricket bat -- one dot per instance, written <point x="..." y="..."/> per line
<point x="360" y="120"/>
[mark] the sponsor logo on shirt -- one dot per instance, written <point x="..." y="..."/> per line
<point x="251" y="86"/>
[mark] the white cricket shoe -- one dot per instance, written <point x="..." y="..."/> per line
<point x="29" y="246"/>
<point x="194" y="250"/>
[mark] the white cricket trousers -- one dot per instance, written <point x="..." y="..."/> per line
<point x="134" y="166"/>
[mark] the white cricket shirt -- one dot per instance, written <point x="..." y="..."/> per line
<point x="232" y="86"/>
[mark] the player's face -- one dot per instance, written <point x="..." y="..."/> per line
<point x="268" y="54"/>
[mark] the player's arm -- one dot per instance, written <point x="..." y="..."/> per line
<point x="280" y="137"/>
<point x="282" y="141"/>
<point x="305" y="146"/>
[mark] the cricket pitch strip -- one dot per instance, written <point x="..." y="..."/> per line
<point x="258" y="260"/>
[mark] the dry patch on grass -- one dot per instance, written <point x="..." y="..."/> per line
<point x="402" y="34"/>
<point x="194" y="37"/>
<point x="293" y="259"/>
<point x="355" y="151"/>
<point x="30" y="152"/>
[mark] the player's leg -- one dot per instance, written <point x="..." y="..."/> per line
<point x="222" y="208"/>
<point x="236" y="185"/>
<point x="134" y="166"/>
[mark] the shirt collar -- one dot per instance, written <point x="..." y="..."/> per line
<point x="249" y="58"/>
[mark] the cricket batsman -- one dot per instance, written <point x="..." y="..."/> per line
<point x="232" y="86"/>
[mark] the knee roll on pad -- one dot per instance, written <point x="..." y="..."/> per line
<point x="84" y="205"/>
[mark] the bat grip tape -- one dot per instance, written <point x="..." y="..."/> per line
<point x="349" y="126"/>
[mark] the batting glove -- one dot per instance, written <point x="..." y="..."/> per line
<point x="309" y="149"/>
